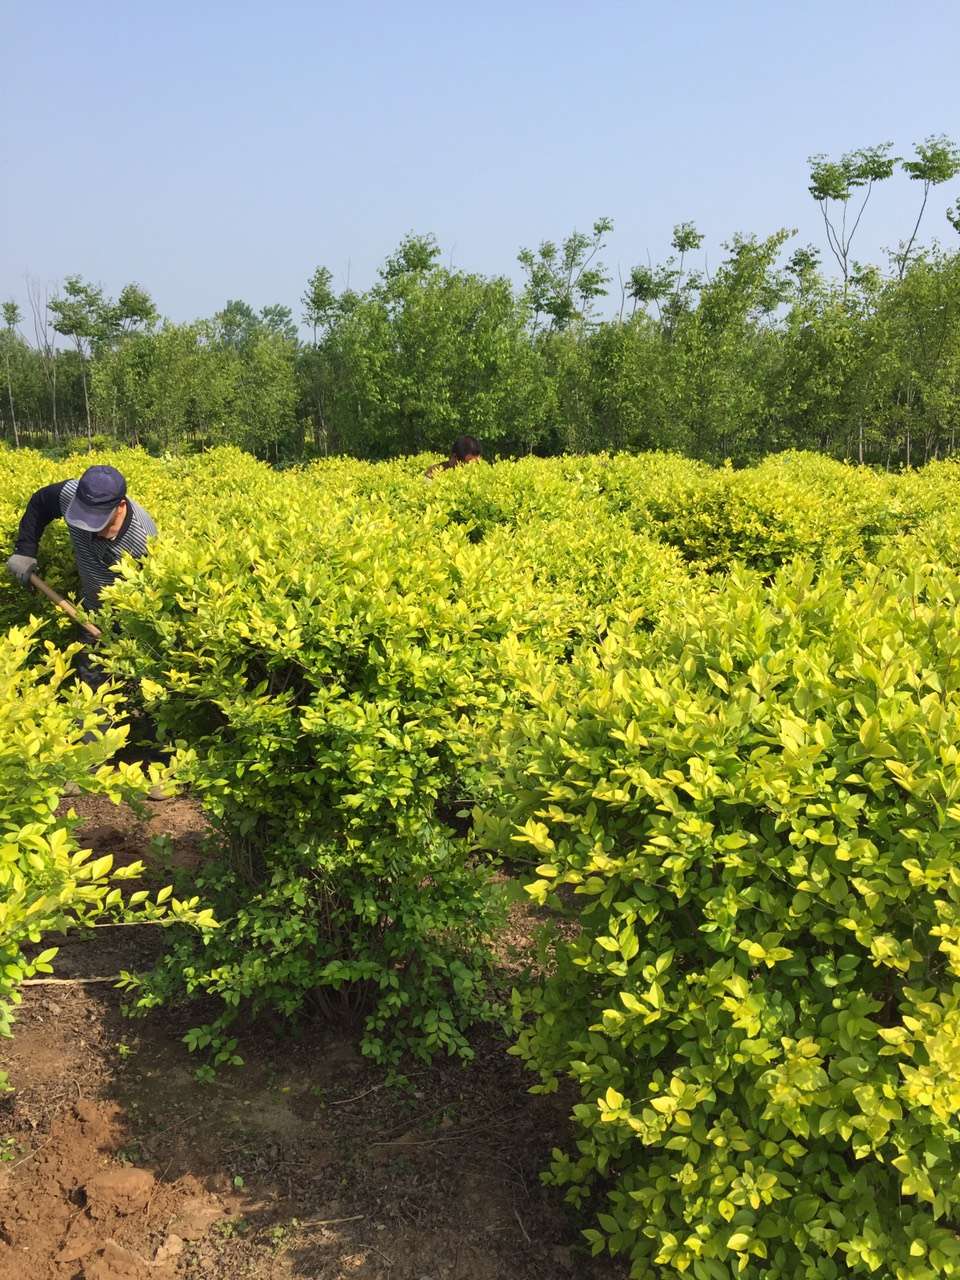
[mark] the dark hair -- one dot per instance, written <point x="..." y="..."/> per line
<point x="465" y="447"/>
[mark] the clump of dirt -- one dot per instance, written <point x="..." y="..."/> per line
<point x="70" y="1211"/>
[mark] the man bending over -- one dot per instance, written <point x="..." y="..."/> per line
<point x="103" y="522"/>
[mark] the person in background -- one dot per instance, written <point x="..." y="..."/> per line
<point x="464" y="449"/>
<point x="103" y="522"/>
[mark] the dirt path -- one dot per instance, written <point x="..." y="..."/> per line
<point x="118" y="1165"/>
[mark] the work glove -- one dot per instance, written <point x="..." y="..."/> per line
<point x="21" y="567"/>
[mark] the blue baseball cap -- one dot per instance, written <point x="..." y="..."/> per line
<point x="99" y="493"/>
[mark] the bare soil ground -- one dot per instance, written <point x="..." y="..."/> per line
<point x="118" y="1165"/>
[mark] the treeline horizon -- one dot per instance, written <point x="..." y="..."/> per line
<point x="769" y="351"/>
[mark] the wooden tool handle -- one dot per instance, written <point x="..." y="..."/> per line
<point x="37" y="582"/>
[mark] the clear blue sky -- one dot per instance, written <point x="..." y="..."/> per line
<point x="212" y="150"/>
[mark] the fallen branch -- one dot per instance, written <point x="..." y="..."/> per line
<point x="329" y="1222"/>
<point x="522" y="1227"/>
<point x="388" y="1260"/>
<point x="422" y="1142"/>
<point x="342" y="1102"/>
<point x="23" y="1159"/>
<point x="67" y="982"/>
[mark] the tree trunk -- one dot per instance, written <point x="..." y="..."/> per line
<point x="86" y="405"/>
<point x="13" y="416"/>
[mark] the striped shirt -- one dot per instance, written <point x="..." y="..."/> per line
<point x="95" y="556"/>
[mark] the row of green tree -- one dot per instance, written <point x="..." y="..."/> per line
<point x="767" y="351"/>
